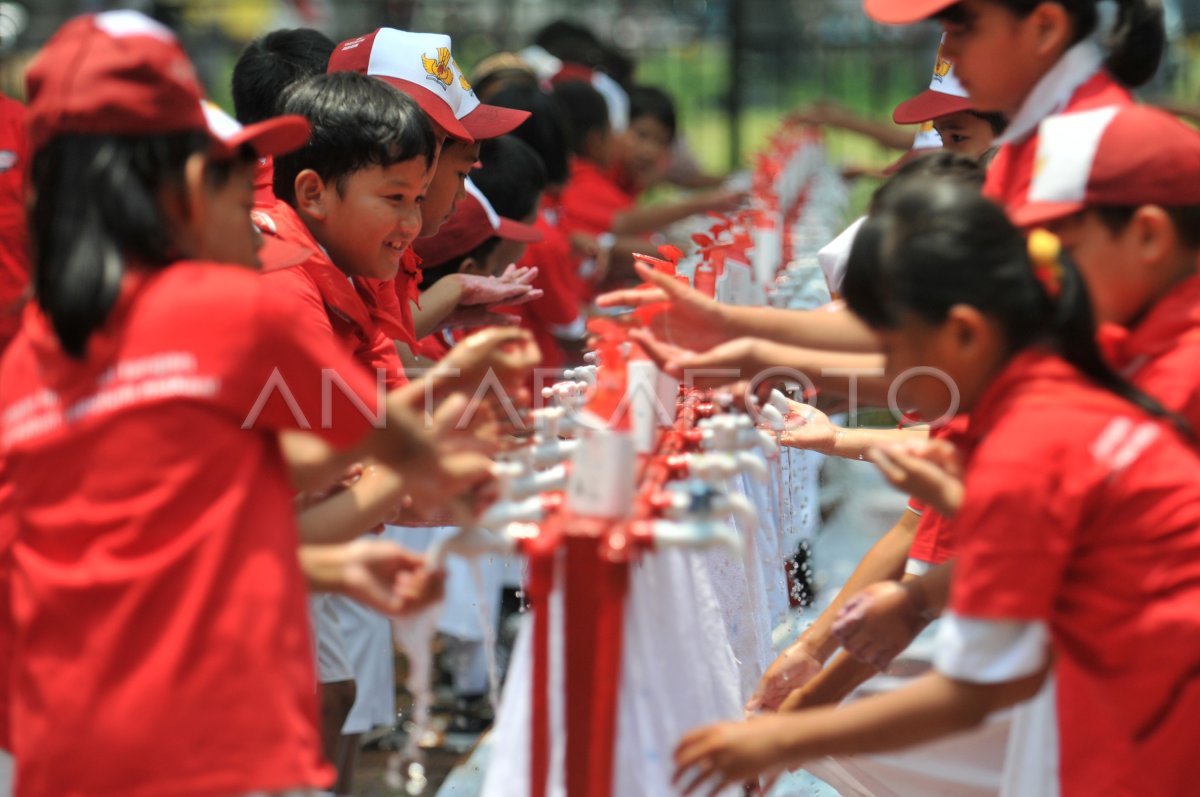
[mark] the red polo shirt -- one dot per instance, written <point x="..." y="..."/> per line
<point x="406" y="291"/>
<point x="14" y="234"/>
<point x="1084" y="513"/>
<point x="590" y="199"/>
<point x="1159" y="356"/>
<point x="559" y="282"/>
<point x="1011" y="171"/>
<point x="357" y="311"/>
<point x="161" y="630"/>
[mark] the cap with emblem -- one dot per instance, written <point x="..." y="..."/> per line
<point x="422" y="66"/>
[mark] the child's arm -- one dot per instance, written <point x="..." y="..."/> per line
<point x="810" y="429"/>
<point x="312" y="462"/>
<point x="732" y="753"/>
<point x="642" y="220"/>
<point x="831" y="114"/>
<point x="693" y="318"/>
<point x="377" y="573"/>
<point x="858" y="377"/>
<point x="884" y="561"/>
<point x="884" y="618"/>
<point x="372" y="499"/>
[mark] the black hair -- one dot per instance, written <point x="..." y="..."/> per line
<point x="545" y="130"/>
<point x="1185" y="219"/>
<point x="1135" y="46"/>
<point x="270" y="64"/>
<point x="510" y="175"/>
<point x="502" y="80"/>
<point x="996" y="121"/>
<point x="357" y="122"/>
<point x="96" y="207"/>
<point x="936" y="243"/>
<point x="939" y="164"/>
<point x="432" y="274"/>
<point x="654" y="103"/>
<point x="574" y="43"/>
<point x="584" y="110"/>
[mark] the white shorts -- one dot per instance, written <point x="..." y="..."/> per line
<point x="333" y="664"/>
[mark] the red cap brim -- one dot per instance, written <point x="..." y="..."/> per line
<point x="276" y="136"/>
<point x="433" y="105"/>
<point x="516" y="231"/>
<point x="492" y="121"/>
<point x="904" y="12"/>
<point x="929" y="105"/>
<point x="1036" y="213"/>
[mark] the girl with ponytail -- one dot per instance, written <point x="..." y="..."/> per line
<point x="1080" y="521"/>
<point x="1030" y="59"/>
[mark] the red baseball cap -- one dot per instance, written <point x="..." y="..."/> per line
<point x="904" y="12"/>
<point x="944" y="96"/>
<point x="268" y="138"/>
<point x="1114" y="156"/>
<point x="113" y="73"/>
<point x="422" y="66"/>
<point x="473" y="222"/>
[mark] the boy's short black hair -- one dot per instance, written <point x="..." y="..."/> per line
<point x="584" y="110"/>
<point x="357" y="122"/>
<point x="654" y="103"/>
<point x="577" y="44"/>
<point x="510" y="175"/>
<point x="545" y="130"/>
<point x="270" y="64"/>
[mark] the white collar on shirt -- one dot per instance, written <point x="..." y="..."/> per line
<point x="1054" y="90"/>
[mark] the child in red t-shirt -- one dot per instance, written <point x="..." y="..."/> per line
<point x="1082" y="506"/>
<point x="1052" y="63"/>
<point x="142" y="404"/>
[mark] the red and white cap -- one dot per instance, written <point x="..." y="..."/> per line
<point x="474" y="221"/>
<point x="904" y="12"/>
<point x="944" y="96"/>
<point x="1114" y="156"/>
<point x="268" y="138"/>
<point x="113" y="73"/>
<point x="423" y="67"/>
<point x="926" y="140"/>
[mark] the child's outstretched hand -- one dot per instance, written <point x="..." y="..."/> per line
<point x="389" y="578"/>
<point x="929" y="470"/>
<point x="512" y="287"/>
<point x="727" y="754"/>
<point x="791" y="670"/>
<point x="808" y="428"/>
<point x="877" y="624"/>
<point x="689" y="318"/>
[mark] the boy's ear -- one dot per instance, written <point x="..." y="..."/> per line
<point x="967" y="328"/>
<point x="1153" y="233"/>
<point x="1053" y="27"/>
<point x="188" y="203"/>
<point x="311" y="194"/>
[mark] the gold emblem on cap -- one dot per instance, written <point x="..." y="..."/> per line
<point x="462" y="76"/>
<point x="439" y="69"/>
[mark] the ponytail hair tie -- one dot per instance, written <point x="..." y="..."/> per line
<point x="1044" y="252"/>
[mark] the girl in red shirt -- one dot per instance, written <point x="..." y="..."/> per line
<point x="1083" y="510"/>
<point x="158" y="613"/>
<point x="1053" y="63"/>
